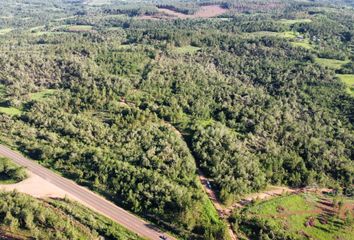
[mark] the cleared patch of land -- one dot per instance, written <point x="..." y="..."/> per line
<point x="294" y="21"/>
<point x="5" y="31"/>
<point x="308" y="215"/>
<point x="37" y="187"/>
<point x="288" y="34"/>
<point x="186" y="49"/>
<point x="331" y="63"/>
<point x="42" y="94"/>
<point x="304" y="44"/>
<point x="10" y="111"/>
<point x="295" y="38"/>
<point x="203" y="12"/>
<point x="348" y="79"/>
<point x="97" y="2"/>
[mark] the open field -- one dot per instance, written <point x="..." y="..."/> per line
<point x="203" y="12"/>
<point x="308" y="215"/>
<point x="348" y="79"/>
<point x="97" y="2"/>
<point x="331" y="63"/>
<point x="186" y="49"/>
<point x="79" y="28"/>
<point x="304" y="44"/>
<point x="5" y="31"/>
<point x="287" y="35"/>
<point x="10" y="111"/>
<point x="294" y="21"/>
<point x="42" y="94"/>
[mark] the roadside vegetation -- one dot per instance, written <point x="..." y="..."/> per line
<point x="24" y="217"/>
<point x="10" y="172"/>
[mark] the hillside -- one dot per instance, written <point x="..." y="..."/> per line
<point x="133" y="101"/>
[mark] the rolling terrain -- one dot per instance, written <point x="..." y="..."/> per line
<point x="185" y="117"/>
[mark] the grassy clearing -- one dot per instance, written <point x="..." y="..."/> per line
<point x="5" y="31"/>
<point x="72" y="28"/>
<point x="291" y="203"/>
<point x="287" y="35"/>
<point x="348" y="79"/>
<point x="38" y="96"/>
<point x="290" y="35"/>
<point x="294" y="21"/>
<point x="186" y="49"/>
<point x="10" y="111"/>
<point x="304" y="44"/>
<point x="211" y="212"/>
<point x="98" y="2"/>
<point x="79" y="28"/>
<point x="291" y="213"/>
<point x="331" y="63"/>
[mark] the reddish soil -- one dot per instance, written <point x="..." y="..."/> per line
<point x="203" y="12"/>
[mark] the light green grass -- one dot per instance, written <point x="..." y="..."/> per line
<point x="304" y="44"/>
<point x="287" y="35"/>
<point x="331" y="63"/>
<point x="10" y="111"/>
<point x="210" y="211"/>
<point x="80" y="28"/>
<point x="98" y="2"/>
<point x="114" y="29"/>
<point x="300" y="208"/>
<point x="72" y="28"/>
<point x="348" y="79"/>
<point x="290" y="35"/>
<point x="5" y="31"/>
<point x="186" y="49"/>
<point x="294" y="21"/>
<point x="38" y="96"/>
<point x="290" y="203"/>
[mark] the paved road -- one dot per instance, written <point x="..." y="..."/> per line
<point x="91" y="199"/>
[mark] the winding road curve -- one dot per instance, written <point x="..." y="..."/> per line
<point x="90" y="199"/>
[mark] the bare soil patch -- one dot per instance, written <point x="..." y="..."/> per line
<point x="37" y="187"/>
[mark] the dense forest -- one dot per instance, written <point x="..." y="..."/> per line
<point x="133" y="108"/>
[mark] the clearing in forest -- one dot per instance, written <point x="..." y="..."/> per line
<point x="331" y="63"/>
<point x="203" y="12"/>
<point x="5" y="31"/>
<point x="310" y="215"/>
<point x="348" y="79"/>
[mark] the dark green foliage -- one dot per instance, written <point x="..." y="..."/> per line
<point x="31" y="218"/>
<point x="133" y="118"/>
<point x="10" y="172"/>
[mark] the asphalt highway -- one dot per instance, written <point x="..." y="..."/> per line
<point x="90" y="199"/>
